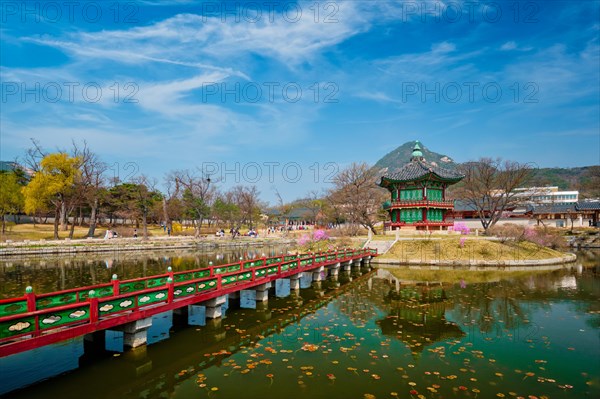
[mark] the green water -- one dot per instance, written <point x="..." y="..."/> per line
<point x="534" y="335"/>
<point x="51" y="273"/>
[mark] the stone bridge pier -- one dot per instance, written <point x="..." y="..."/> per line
<point x="135" y="333"/>
<point x="333" y="271"/>
<point x="319" y="274"/>
<point x="202" y="313"/>
<point x="346" y="266"/>
<point x="249" y="299"/>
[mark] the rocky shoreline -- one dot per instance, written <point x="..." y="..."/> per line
<point x="585" y="240"/>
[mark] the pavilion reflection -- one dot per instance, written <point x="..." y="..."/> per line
<point x="417" y="314"/>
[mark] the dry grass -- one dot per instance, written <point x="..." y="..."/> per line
<point x="27" y="231"/>
<point x="449" y="249"/>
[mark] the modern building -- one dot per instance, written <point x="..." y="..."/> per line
<point x="418" y="195"/>
<point x="547" y="195"/>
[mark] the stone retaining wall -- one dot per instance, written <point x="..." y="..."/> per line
<point x="567" y="258"/>
<point x="126" y="244"/>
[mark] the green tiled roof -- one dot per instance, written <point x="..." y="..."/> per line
<point x="419" y="169"/>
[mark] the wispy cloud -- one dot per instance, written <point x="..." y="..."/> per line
<point x="369" y="51"/>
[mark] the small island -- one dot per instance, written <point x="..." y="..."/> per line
<point x="471" y="251"/>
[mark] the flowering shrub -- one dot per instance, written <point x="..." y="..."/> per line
<point x="508" y="231"/>
<point x="317" y="241"/>
<point x="462" y="228"/>
<point x="541" y="236"/>
<point x="304" y="240"/>
<point x="544" y="237"/>
<point x="320" y="235"/>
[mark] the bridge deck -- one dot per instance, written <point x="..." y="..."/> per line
<point x="32" y="321"/>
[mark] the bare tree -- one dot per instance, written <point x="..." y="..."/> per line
<point x="356" y="197"/>
<point x="490" y="187"/>
<point x="246" y="198"/>
<point x="146" y="195"/>
<point x="196" y="192"/>
<point x="92" y="182"/>
<point x="226" y="210"/>
<point x="34" y="155"/>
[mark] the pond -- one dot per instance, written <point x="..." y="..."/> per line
<point x="48" y="273"/>
<point x="372" y="334"/>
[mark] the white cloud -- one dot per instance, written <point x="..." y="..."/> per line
<point x="512" y="45"/>
<point x="508" y="46"/>
<point x="185" y="39"/>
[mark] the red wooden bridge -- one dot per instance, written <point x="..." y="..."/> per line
<point x="32" y="321"/>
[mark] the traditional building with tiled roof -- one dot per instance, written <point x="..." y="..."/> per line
<point x="418" y="194"/>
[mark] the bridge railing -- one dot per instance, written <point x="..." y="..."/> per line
<point x="23" y="317"/>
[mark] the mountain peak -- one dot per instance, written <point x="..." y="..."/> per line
<point x="395" y="159"/>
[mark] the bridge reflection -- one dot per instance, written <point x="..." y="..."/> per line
<point x="188" y="350"/>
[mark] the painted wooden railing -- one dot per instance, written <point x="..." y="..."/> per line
<point x="418" y="204"/>
<point x="104" y="305"/>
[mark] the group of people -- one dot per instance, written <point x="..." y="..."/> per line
<point x="166" y="228"/>
<point x="110" y="234"/>
<point x="252" y="233"/>
<point x="113" y="234"/>
<point x="236" y="232"/>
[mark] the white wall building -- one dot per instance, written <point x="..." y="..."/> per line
<point x="548" y="195"/>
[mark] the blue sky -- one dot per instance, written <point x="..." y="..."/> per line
<point x="304" y="87"/>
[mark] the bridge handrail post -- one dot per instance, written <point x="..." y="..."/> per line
<point x="170" y="290"/>
<point x="115" y="284"/>
<point x="219" y="283"/>
<point x="93" y="301"/>
<point x="170" y="272"/>
<point x="30" y="295"/>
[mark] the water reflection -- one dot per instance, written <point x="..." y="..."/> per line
<point x="417" y="316"/>
<point x="376" y="334"/>
<point x="60" y="272"/>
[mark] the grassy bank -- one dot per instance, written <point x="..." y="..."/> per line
<point x="464" y="249"/>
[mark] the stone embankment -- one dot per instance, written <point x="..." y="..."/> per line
<point x="587" y="240"/>
<point x="513" y="263"/>
<point x="8" y="249"/>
